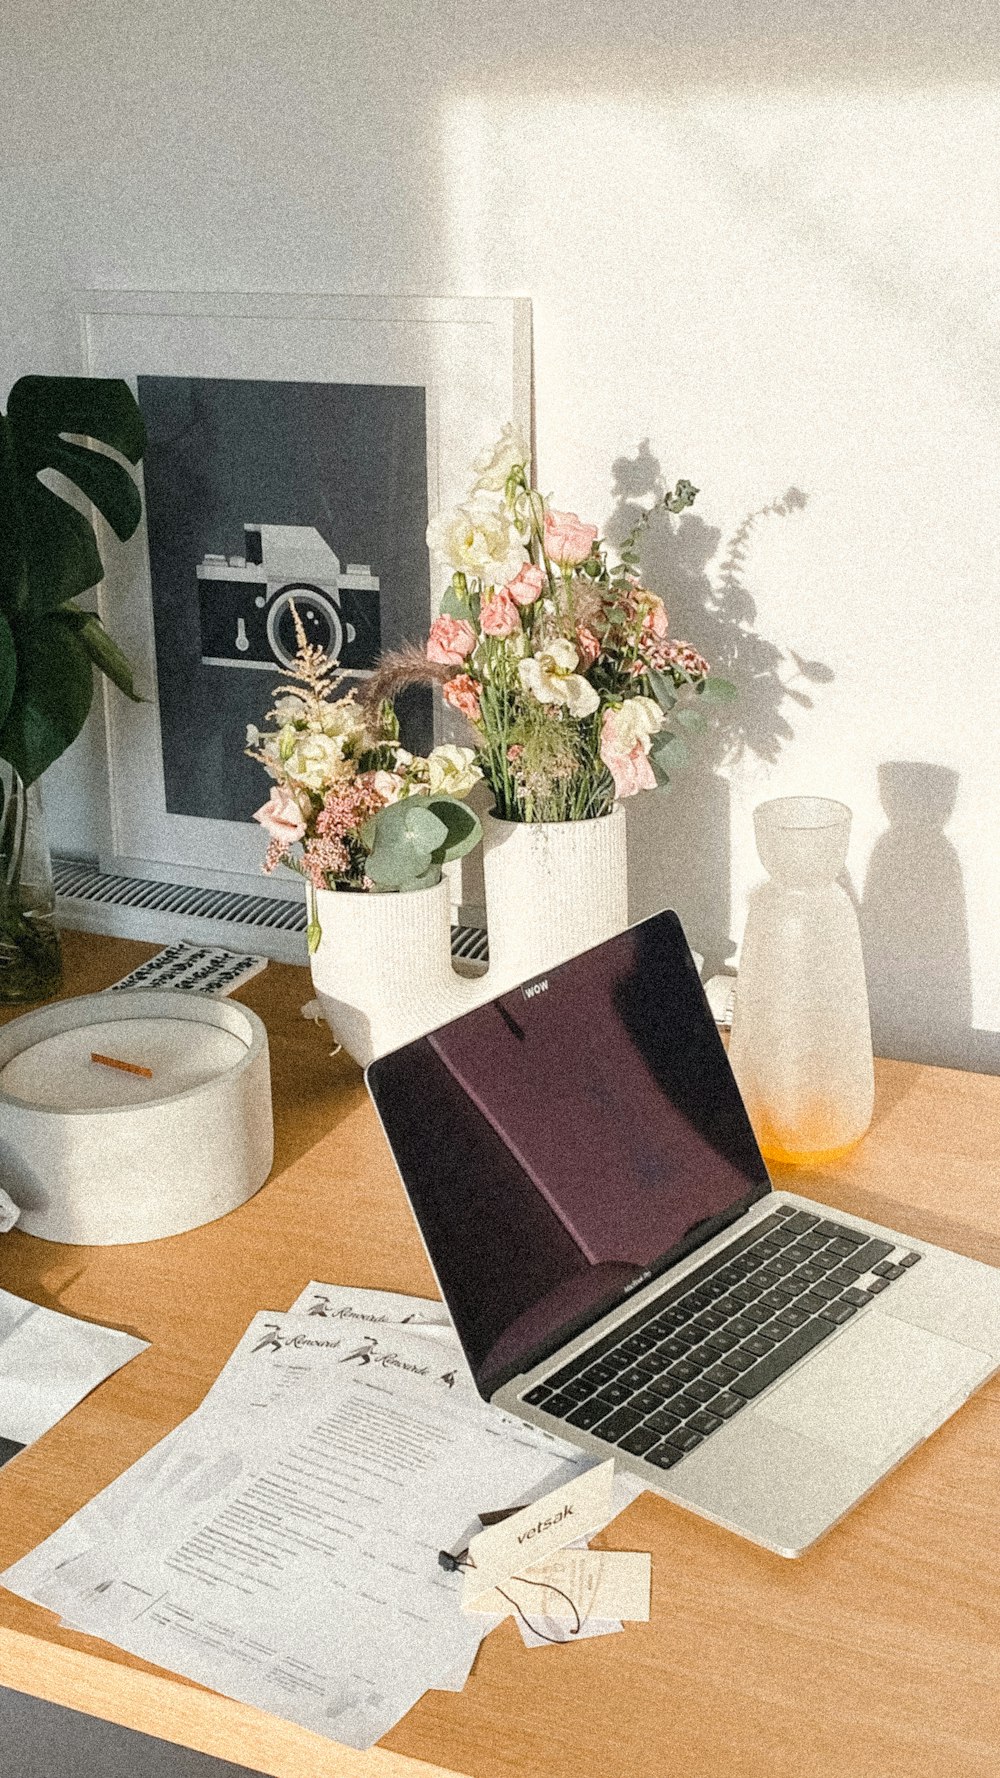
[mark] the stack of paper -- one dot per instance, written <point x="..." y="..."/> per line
<point x="282" y="1545"/>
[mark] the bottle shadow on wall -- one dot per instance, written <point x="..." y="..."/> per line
<point x="679" y="840"/>
<point x="914" y="927"/>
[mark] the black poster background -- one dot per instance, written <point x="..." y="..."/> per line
<point x="348" y="459"/>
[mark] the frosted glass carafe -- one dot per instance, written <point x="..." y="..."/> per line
<point x="801" y="1045"/>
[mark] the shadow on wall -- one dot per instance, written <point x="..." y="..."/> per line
<point x="914" y="928"/>
<point x="679" y="841"/>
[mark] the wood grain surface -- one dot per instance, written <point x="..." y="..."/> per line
<point x="874" y="1656"/>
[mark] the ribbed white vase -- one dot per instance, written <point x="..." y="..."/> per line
<point x="383" y="972"/>
<point x="553" y="889"/>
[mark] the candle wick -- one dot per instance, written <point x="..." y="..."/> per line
<point x="126" y="1067"/>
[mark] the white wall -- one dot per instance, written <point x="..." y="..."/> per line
<point x="767" y="245"/>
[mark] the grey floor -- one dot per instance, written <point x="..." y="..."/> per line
<point x="41" y="1741"/>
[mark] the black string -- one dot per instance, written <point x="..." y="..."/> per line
<point x="460" y="1563"/>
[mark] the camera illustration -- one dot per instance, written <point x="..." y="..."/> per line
<point x="246" y="602"/>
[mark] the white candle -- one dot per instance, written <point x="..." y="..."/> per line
<point x="93" y="1154"/>
<point x="58" y="1071"/>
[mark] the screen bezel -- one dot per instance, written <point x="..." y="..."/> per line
<point x="691" y="1242"/>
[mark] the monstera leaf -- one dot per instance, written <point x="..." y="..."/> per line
<point x="49" y="556"/>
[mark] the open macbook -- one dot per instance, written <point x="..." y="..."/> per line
<point x="619" y="1270"/>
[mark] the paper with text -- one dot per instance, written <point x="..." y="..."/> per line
<point x="574" y="1510"/>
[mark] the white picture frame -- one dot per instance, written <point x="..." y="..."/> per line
<point x="472" y="356"/>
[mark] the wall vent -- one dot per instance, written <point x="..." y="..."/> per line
<point x="170" y="913"/>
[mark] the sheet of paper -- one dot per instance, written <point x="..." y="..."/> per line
<point x="298" y="1570"/>
<point x="48" y="1363"/>
<point x="575" y="1585"/>
<point x="573" y="1510"/>
<point x="278" y="1356"/>
<point x="341" y="1302"/>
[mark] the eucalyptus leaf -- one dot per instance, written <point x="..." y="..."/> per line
<point x="462" y="825"/>
<point x="667" y="751"/>
<point x="718" y="691"/>
<point x="662" y="689"/>
<point x="402" y="840"/>
<point x="691" y="719"/>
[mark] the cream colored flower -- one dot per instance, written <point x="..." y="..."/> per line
<point x="479" y="539"/>
<point x="342" y="718"/>
<point x="314" y="761"/>
<point x="635" y="724"/>
<point x="288" y="708"/>
<point x="452" y="771"/>
<point x="550" y="678"/>
<point x="494" y="465"/>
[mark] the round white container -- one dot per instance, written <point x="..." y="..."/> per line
<point x="97" y="1156"/>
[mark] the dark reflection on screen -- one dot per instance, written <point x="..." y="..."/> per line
<point x="566" y="1140"/>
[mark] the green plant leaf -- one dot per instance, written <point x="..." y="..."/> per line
<point x="453" y="605"/>
<point x="13" y="566"/>
<point x="461" y="824"/>
<point x="689" y="718"/>
<point x="667" y="751"/>
<point x="40" y="408"/>
<point x="662" y="689"/>
<point x="51" y="698"/>
<point x="402" y="841"/>
<point x="717" y="691"/>
<point x="8" y="667"/>
<point x="105" y="483"/>
<point x="61" y="553"/>
<point x="105" y="654"/>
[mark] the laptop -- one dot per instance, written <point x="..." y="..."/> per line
<point x="621" y="1273"/>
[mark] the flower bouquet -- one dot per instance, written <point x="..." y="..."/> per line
<point x="562" y="661"/>
<point x="351" y="809"/>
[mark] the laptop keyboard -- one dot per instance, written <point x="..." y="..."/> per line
<point x="671" y="1376"/>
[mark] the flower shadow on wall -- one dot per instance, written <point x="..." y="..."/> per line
<point x="687" y="833"/>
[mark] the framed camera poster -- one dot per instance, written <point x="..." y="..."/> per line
<point x="297" y="447"/>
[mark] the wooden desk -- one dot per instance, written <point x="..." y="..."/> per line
<point x="875" y="1656"/>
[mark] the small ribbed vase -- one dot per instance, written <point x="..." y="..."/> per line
<point x="801" y="1046"/>
<point x="383" y="972"/>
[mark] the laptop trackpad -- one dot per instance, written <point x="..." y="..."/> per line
<point x="874" y="1389"/>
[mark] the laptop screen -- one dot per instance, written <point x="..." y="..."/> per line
<point x="564" y="1143"/>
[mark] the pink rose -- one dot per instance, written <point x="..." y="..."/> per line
<point x="567" y="539"/>
<point x="462" y="693"/>
<point x="528" y="586"/>
<point x="451" y="640"/>
<point x="587" y="646"/>
<point x="630" y="768"/>
<point x="499" y="615"/>
<point x="281" y="816"/>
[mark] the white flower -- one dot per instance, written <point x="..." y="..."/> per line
<point x="342" y="718"/>
<point x="494" y="465"/>
<point x="479" y="539"/>
<point x="390" y="785"/>
<point x="550" y="678"/>
<point x="635" y="724"/>
<point x="314" y="761"/>
<point x="253" y="735"/>
<point x="452" y="771"/>
<point x="289" y="708"/>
